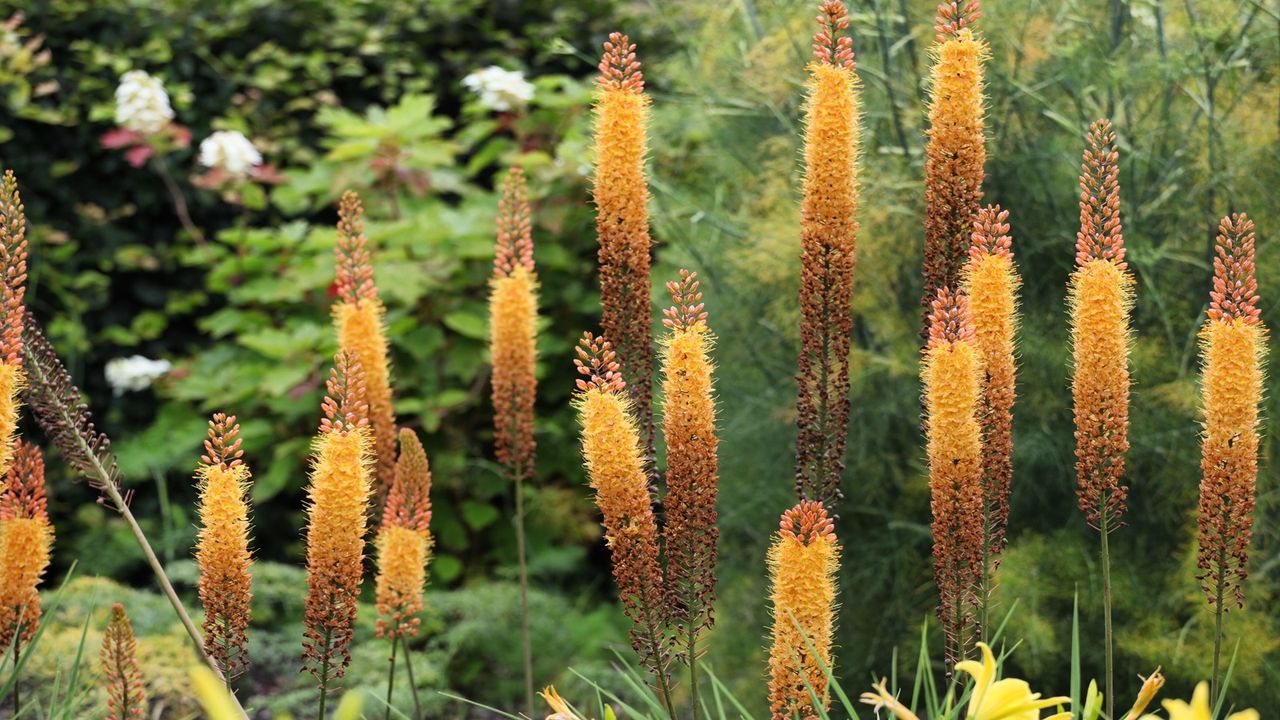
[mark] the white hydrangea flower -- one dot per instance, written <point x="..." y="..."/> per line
<point x="229" y="151"/>
<point x="134" y="373"/>
<point x="499" y="89"/>
<point x="142" y="105"/>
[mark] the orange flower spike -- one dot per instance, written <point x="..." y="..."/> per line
<point x="126" y="696"/>
<point x="404" y="542"/>
<point x="991" y="283"/>
<point x="955" y="152"/>
<point x="1233" y="346"/>
<point x="337" y="510"/>
<point x="1100" y="297"/>
<point x="615" y="466"/>
<point x="689" y="427"/>
<point x="621" y="195"/>
<point x="803" y="561"/>
<point x="13" y="288"/>
<point x="26" y="545"/>
<point x="952" y="387"/>
<point x="513" y="322"/>
<point x="222" y="546"/>
<point x="827" y="239"/>
<point x="359" y="317"/>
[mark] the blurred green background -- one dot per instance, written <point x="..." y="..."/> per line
<point x="369" y="95"/>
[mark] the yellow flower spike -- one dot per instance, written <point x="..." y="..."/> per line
<point x="1006" y="699"/>
<point x="13" y="288"/>
<point x="828" y="230"/>
<point x="26" y="544"/>
<point x="359" y="318"/>
<point x="803" y="562"/>
<point x="1198" y="708"/>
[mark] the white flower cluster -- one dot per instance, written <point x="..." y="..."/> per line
<point x="499" y="89"/>
<point x="230" y="152"/>
<point x="134" y="373"/>
<point x="142" y="105"/>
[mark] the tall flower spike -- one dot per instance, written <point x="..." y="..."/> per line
<point x="26" y="544"/>
<point x="803" y="561"/>
<point x="513" y="322"/>
<point x="1100" y="296"/>
<point x="360" y="321"/>
<point x="991" y="284"/>
<point x="689" y="428"/>
<point x="337" y="509"/>
<point x="1233" y="354"/>
<point x="828" y="228"/>
<point x="614" y="459"/>
<point x="222" y="546"/>
<point x="404" y="542"/>
<point x="952" y="386"/>
<point x="13" y="287"/>
<point x="956" y="150"/>
<point x="126" y="696"/>
<point x="621" y="195"/>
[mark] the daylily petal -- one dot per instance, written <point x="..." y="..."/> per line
<point x="1245" y="715"/>
<point x="983" y="675"/>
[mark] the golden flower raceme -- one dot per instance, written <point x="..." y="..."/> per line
<point x="612" y="452"/>
<point x="1233" y="348"/>
<point x="803" y="561"/>
<point x="991" y="284"/>
<point x="337" y="511"/>
<point x="956" y="151"/>
<point x="222" y="546"/>
<point x="26" y="543"/>
<point x="689" y="427"/>
<point x="1198" y="708"/>
<point x="952" y="374"/>
<point x="359" y="317"/>
<point x="13" y="288"/>
<point x="404" y="542"/>
<point x="1007" y="698"/>
<point x="621" y="196"/>
<point x="126" y="696"/>
<point x="828" y="230"/>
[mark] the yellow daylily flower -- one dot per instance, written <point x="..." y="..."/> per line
<point x="560" y="709"/>
<point x="1006" y="699"/>
<point x="1150" y="686"/>
<point x="1198" y="708"/>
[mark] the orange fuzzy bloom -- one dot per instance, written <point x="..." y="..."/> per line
<point x="126" y="696"/>
<point x="956" y="150"/>
<point x="360" y="321"/>
<point x="1100" y="296"/>
<point x="803" y="561"/>
<point x="689" y="427"/>
<point x="615" y="465"/>
<point x="1233" y="351"/>
<point x="222" y="546"/>
<point x="991" y="284"/>
<point x="13" y="281"/>
<point x="513" y="321"/>
<point x="828" y="227"/>
<point x="621" y="195"/>
<point x="26" y="544"/>
<point x="404" y="542"/>
<point x="952" y="387"/>
<point x="337" y="508"/>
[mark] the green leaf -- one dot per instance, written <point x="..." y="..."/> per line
<point x="468" y="324"/>
<point x="478" y="515"/>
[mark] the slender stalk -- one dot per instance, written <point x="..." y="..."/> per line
<point x="1106" y="609"/>
<point x="693" y="671"/>
<point x="413" y="686"/>
<point x="1215" y="688"/>
<point x="324" y="675"/>
<point x="179" y="202"/>
<point x="524" y="590"/>
<point x="103" y="477"/>
<point x="17" y="655"/>
<point x="391" y="675"/>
